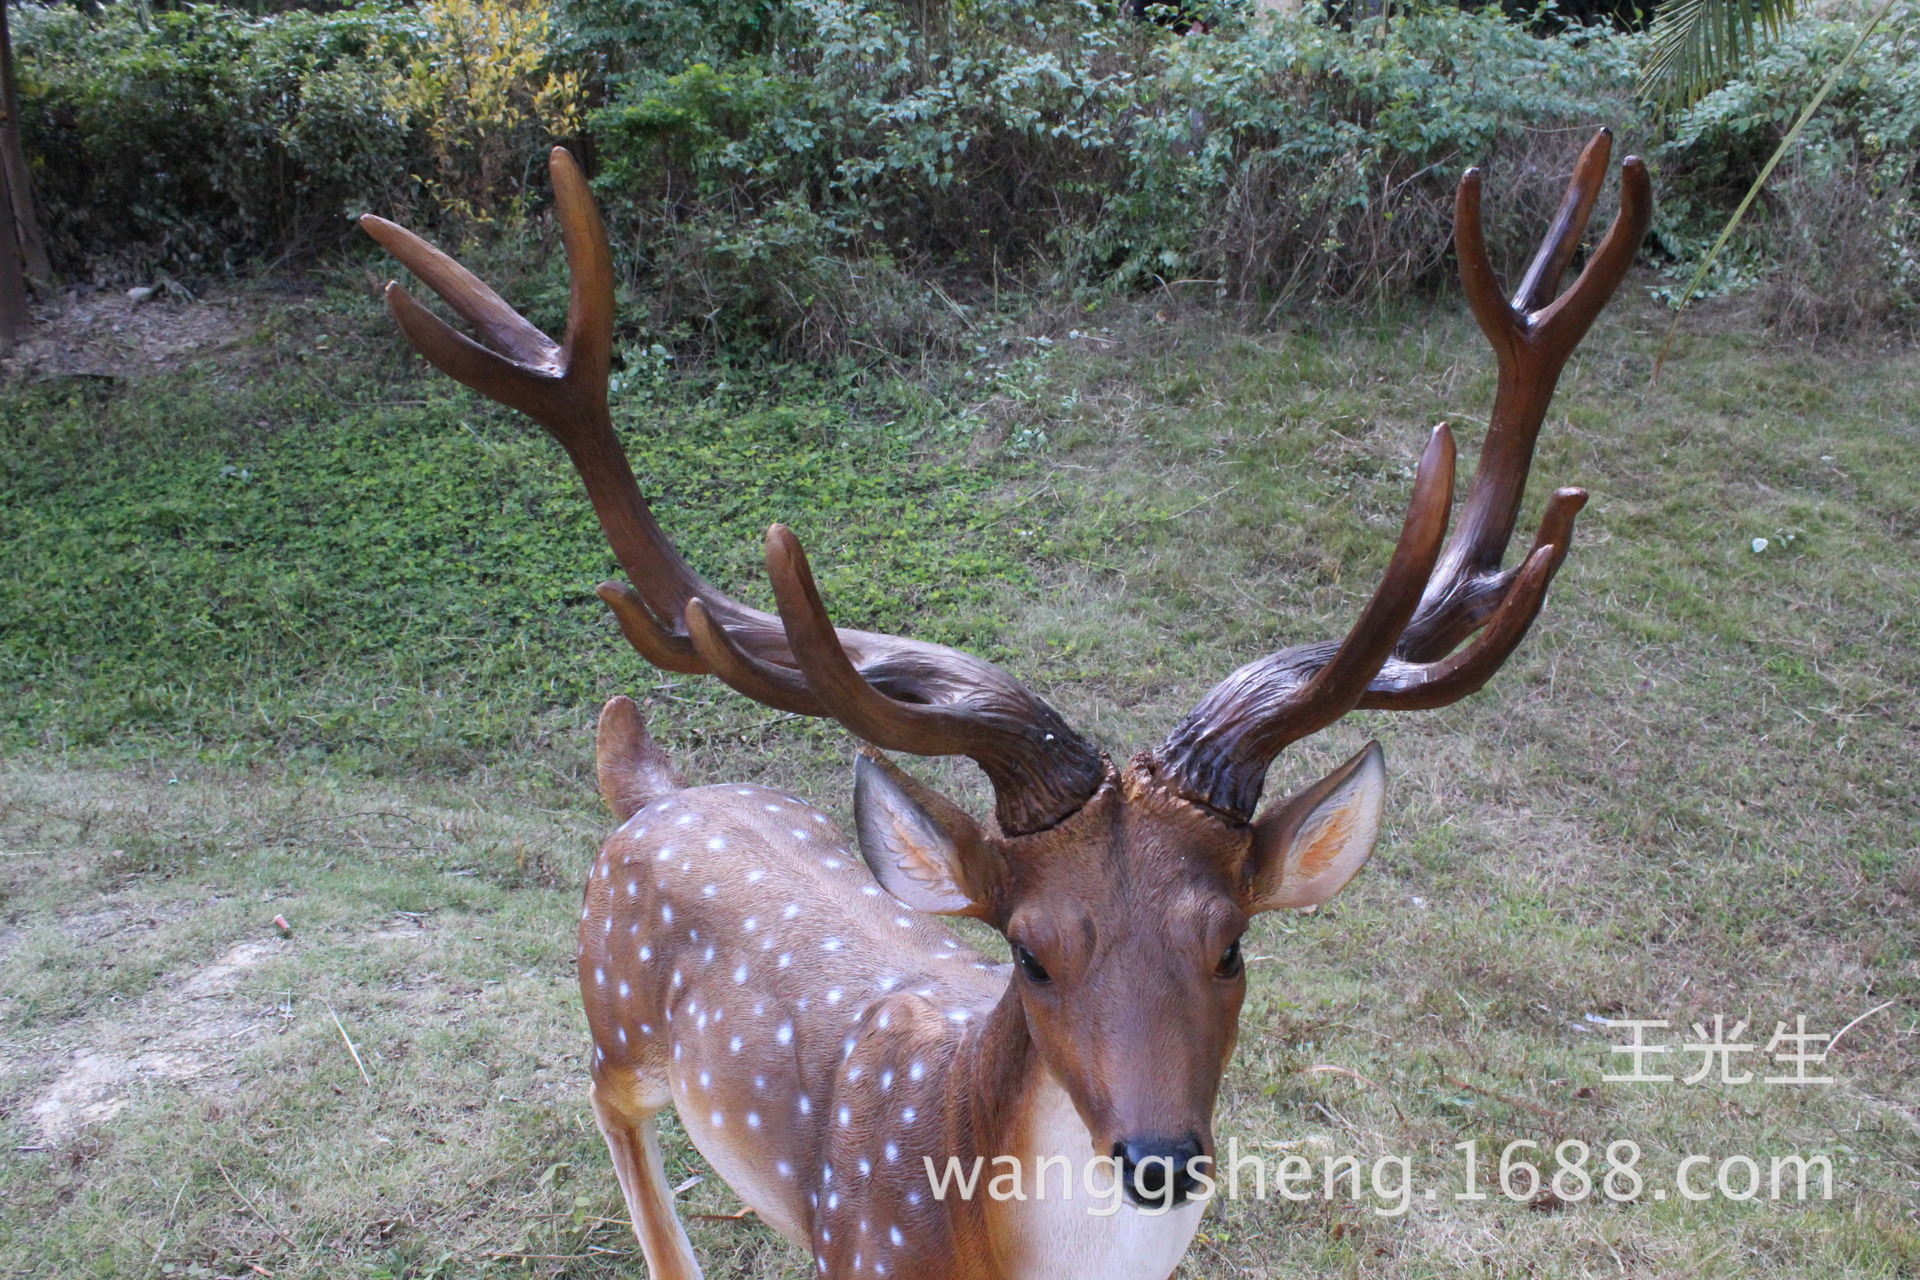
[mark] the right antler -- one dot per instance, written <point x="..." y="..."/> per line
<point x="899" y="694"/>
<point x="1396" y="658"/>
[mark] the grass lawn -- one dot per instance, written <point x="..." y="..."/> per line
<point x="306" y="634"/>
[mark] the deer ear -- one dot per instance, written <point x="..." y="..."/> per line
<point x="1306" y="848"/>
<point x="921" y="847"/>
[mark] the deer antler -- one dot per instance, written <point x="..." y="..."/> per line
<point x="1396" y="658"/>
<point x="900" y="694"/>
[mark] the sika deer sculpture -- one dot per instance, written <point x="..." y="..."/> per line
<point x="823" y="1037"/>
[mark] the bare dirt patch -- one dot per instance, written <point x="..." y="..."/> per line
<point x="187" y="1033"/>
<point x="93" y="333"/>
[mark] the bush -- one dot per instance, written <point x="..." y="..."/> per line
<point x="1305" y="163"/>
<point x="834" y="176"/>
<point x="478" y="80"/>
<point x="1287" y="162"/>
<point x="1835" y="244"/>
<point x="196" y="139"/>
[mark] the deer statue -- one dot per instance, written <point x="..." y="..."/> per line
<point x="830" y="1046"/>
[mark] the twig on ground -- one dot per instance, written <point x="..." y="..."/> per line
<point x="1350" y="1072"/>
<point x="741" y="1216"/>
<point x="259" y="1213"/>
<point x="349" y="1042"/>
<point x="1856" y="1022"/>
<point x="1522" y="1103"/>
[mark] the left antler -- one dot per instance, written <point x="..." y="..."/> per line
<point x="1399" y="655"/>
<point x="900" y="694"/>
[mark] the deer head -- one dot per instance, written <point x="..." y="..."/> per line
<point x="1123" y="891"/>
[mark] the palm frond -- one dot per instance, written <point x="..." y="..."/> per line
<point x="1699" y="44"/>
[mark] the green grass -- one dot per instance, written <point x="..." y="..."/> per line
<point x="1691" y="793"/>
<point x="298" y="559"/>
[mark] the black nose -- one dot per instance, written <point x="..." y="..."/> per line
<point x="1156" y="1173"/>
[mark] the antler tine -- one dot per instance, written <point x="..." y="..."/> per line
<point x="503" y="327"/>
<point x="782" y="688"/>
<point x="1569" y="224"/>
<point x="1532" y="344"/>
<point x="464" y="360"/>
<point x="643" y="631"/>
<point x="1040" y="769"/>
<point x="1478" y="279"/>
<point x="1409" y="686"/>
<point x="587" y="352"/>
<point x="1218" y="756"/>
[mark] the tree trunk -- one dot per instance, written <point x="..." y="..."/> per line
<point x="13" y="282"/>
<point x="23" y="250"/>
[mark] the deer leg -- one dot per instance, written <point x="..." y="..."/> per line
<point x="633" y="1139"/>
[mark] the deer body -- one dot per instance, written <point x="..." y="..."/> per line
<point x="739" y="961"/>
<point x="831" y="1048"/>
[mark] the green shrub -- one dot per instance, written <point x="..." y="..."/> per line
<point x="1301" y="162"/>
<point x="198" y="138"/>
<point x="1835" y="245"/>
<point x="833" y="176"/>
<point x="1287" y="161"/>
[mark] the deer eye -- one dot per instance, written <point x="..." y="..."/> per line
<point x="1035" y="971"/>
<point x="1230" y="964"/>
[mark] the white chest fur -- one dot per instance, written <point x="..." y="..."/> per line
<point x="1062" y="1239"/>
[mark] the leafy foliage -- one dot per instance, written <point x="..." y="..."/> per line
<point x="479" y="79"/>
<point x="1837" y="243"/>
<point x="1279" y="161"/>
<point x="196" y="138"/>
<point x="826" y="177"/>
<point x="1698" y="45"/>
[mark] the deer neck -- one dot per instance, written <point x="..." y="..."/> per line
<point x="997" y="1074"/>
